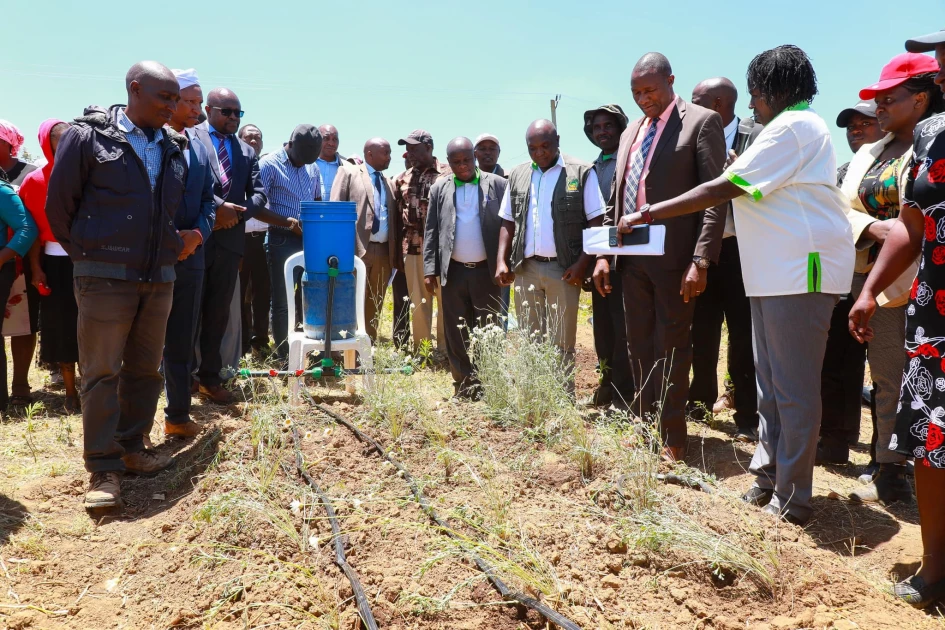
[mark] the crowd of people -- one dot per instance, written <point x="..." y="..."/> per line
<point x="154" y="236"/>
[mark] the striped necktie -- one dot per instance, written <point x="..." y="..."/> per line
<point x="636" y="170"/>
<point x="225" y="167"/>
<point x="376" y="225"/>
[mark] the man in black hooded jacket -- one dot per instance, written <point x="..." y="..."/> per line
<point x="117" y="183"/>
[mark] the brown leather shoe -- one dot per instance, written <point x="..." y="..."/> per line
<point x="673" y="454"/>
<point x="146" y="463"/>
<point x="187" y="429"/>
<point x="104" y="491"/>
<point x="217" y="394"/>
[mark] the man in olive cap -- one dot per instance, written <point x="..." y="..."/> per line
<point x="603" y="127"/>
<point x="289" y="177"/>
<point x="411" y="196"/>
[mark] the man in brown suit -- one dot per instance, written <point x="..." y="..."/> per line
<point x="377" y="229"/>
<point x="675" y="147"/>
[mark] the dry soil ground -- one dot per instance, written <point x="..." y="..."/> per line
<point x="230" y="537"/>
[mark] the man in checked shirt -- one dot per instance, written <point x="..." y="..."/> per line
<point x="411" y="196"/>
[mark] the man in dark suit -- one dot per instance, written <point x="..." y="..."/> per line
<point x="460" y="249"/>
<point x="724" y="299"/>
<point x="377" y="227"/>
<point x="675" y="147"/>
<point x="238" y="196"/>
<point x="194" y="223"/>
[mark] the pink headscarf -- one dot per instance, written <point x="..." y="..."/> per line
<point x="11" y="135"/>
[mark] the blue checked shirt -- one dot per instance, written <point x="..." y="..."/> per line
<point x="148" y="150"/>
<point x="328" y="171"/>
<point x="286" y="185"/>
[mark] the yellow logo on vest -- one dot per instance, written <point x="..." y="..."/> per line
<point x="573" y="185"/>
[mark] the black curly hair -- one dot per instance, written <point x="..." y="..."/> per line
<point x="926" y="83"/>
<point x="782" y="76"/>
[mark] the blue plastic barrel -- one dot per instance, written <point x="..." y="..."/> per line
<point x="328" y="229"/>
<point x="344" y="315"/>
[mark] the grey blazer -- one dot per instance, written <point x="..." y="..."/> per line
<point x="440" y="229"/>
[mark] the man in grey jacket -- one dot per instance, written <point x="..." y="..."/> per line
<point x="460" y="248"/>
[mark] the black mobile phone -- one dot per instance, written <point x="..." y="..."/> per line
<point x="639" y="236"/>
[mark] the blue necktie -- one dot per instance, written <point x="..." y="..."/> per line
<point x="376" y="225"/>
<point x="636" y="170"/>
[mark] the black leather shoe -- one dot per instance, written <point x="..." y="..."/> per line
<point x="785" y="516"/>
<point x="836" y="455"/>
<point x="759" y="497"/>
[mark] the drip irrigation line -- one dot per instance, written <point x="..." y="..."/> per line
<point x="686" y="482"/>
<point x="507" y="593"/>
<point x="360" y="597"/>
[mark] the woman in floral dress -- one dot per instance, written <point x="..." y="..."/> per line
<point x="920" y="419"/>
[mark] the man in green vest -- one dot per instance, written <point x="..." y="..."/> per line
<point x="546" y="207"/>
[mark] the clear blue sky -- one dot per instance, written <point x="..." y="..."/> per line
<point x="383" y="68"/>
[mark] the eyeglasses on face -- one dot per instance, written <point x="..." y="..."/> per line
<point x="230" y="111"/>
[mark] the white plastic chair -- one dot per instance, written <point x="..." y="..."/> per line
<point x="300" y="346"/>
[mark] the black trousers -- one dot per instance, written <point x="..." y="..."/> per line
<point x="221" y="275"/>
<point x="610" y="341"/>
<point x="254" y="293"/>
<point x="841" y="380"/>
<point x="179" y="343"/>
<point x="401" y="332"/>
<point x="469" y="296"/>
<point x="724" y="299"/>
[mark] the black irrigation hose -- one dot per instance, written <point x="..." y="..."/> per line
<point x="360" y="597"/>
<point x="507" y="593"/>
<point x="686" y="482"/>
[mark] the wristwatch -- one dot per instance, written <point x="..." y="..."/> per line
<point x="700" y="262"/>
<point x="645" y="214"/>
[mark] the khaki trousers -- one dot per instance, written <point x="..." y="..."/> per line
<point x="552" y="304"/>
<point x="421" y="312"/>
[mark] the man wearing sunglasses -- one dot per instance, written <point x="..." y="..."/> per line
<point x="238" y="196"/>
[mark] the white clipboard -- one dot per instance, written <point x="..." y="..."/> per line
<point x="597" y="242"/>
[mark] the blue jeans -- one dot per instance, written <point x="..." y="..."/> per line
<point x="280" y="245"/>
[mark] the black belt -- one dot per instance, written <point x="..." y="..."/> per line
<point x="475" y="265"/>
<point x="543" y="258"/>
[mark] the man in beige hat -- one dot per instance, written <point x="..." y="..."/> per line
<point x="487" y="154"/>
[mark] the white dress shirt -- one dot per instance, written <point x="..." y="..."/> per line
<point x="731" y="130"/>
<point x="468" y="246"/>
<point x="731" y="134"/>
<point x="539" y="226"/>
<point x="380" y="208"/>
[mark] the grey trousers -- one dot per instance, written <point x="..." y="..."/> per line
<point x="886" y="354"/>
<point x="789" y="336"/>
<point x="121" y="331"/>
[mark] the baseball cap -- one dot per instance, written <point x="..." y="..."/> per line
<point x="867" y="108"/>
<point x="486" y="136"/>
<point x="417" y="136"/>
<point x="900" y="69"/>
<point x="925" y="43"/>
